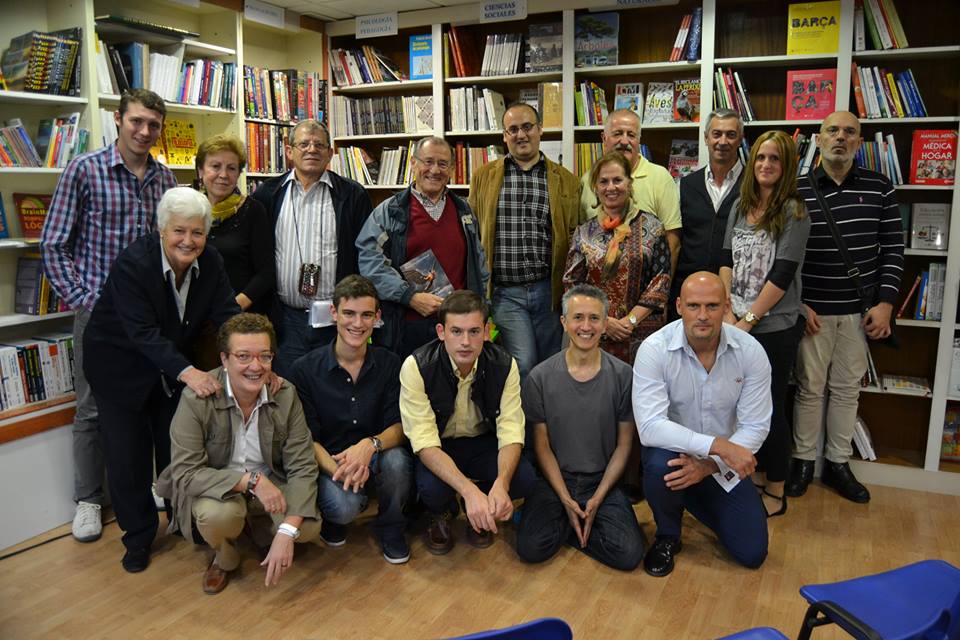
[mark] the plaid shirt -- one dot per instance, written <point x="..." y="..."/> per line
<point x="522" y="245"/>
<point x="98" y="208"/>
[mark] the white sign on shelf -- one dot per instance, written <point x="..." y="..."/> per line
<point x="264" y="13"/>
<point x="503" y="10"/>
<point x="620" y="4"/>
<point x="381" y="24"/>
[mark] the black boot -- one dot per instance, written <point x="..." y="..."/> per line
<point x="801" y="475"/>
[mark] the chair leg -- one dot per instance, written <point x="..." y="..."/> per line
<point x="833" y="612"/>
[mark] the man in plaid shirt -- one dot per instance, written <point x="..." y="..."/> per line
<point x="104" y="200"/>
<point x="528" y="207"/>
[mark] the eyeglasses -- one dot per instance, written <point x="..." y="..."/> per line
<point x="244" y="357"/>
<point x="431" y="163"/>
<point x="306" y="145"/>
<point x="526" y="127"/>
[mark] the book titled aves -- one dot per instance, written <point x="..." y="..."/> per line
<point x="426" y="275"/>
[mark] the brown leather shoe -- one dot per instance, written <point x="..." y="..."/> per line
<point x="438" y="537"/>
<point x="480" y="540"/>
<point x="215" y="579"/>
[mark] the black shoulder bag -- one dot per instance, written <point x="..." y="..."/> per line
<point x="869" y="296"/>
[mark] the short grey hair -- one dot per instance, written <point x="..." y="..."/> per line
<point x="585" y="291"/>
<point x="186" y="203"/>
<point x="309" y="126"/>
<point x="620" y="112"/>
<point x="722" y="114"/>
<point x="422" y="142"/>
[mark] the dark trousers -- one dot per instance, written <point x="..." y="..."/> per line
<point x="773" y="458"/>
<point x="615" y="538"/>
<point x="737" y="517"/>
<point x="133" y="440"/>
<point x="476" y="458"/>
<point x="295" y="337"/>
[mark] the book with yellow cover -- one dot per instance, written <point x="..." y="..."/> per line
<point x="813" y="27"/>
<point x="551" y="106"/>
<point x="180" y="141"/>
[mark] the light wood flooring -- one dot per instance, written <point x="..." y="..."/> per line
<point x="65" y="589"/>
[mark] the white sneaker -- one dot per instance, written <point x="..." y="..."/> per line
<point x="157" y="500"/>
<point x="86" y="522"/>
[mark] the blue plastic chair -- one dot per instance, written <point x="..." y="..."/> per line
<point x="542" y="629"/>
<point x="757" y="633"/>
<point x="919" y="601"/>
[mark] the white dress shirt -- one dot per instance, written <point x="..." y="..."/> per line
<point x="246" y="454"/>
<point x="717" y="194"/>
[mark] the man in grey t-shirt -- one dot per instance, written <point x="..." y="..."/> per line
<point x="579" y="403"/>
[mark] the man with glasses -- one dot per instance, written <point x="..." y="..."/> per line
<point x="243" y="456"/>
<point x="316" y="215"/>
<point x="528" y="207"/>
<point x="654" y="190"/>
<point x="350" y="393"/>
<point x="424" y="217"/>
<point x="833" y="353"/>
<point x="706" y="196"/>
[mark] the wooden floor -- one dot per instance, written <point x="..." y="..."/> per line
<point x="65" y="589"/>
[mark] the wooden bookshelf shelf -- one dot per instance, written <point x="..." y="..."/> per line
<point x="776" y="61"/>
<point x="279" y="123"/>
<point x="933" y="253"/>
<point x="496" y="132"/>
<point x="910" y="53"/>
<point x="927" y="120"/>
<point x="512" y="78"/>
<point x="36" y="417"/>
<point x="26" y="97"/>
<point x="782" y="123"/>
<point x="20" y="319"/>
<point x="923" y="324"/>
<point x="640" y="68"/>
<point x="380" y="87"/>
<point x="33" y="170"/>
<point x="174" y="107"/>
<point x="380" y="136"/>
<point x="924" y="187"/>
<point x="264" y="175"/>
<point x="895" y="392"/>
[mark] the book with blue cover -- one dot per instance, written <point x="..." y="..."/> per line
<point x="421" y="57"/>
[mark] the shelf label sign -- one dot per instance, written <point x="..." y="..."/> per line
<point x="640" y="3"/>
<point x="503" y="10"/>
<point x="381" y="24"/>
<point x="264" y="13"/>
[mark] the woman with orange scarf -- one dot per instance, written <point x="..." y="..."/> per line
<point x="624" y="252"/>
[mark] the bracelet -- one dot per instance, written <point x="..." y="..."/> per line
<point x="288" y="530"/>
<point x="377" y="444"/>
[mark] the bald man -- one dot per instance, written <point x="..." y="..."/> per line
<point x="701" y="401"/>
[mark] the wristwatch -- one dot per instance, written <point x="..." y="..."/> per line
<point x="377" y="444"/>
<point x="288" y="530"/>
<point x="633" y="320"/>
<point x="252" y="482"/>
<point x="751" y="318"/>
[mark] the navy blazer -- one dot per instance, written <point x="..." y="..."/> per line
<point x="135" y="334"/>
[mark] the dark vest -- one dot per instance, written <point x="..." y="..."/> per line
<point x="440" y="380"/>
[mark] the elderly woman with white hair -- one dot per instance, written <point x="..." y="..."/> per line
<point x="161" y="290"/>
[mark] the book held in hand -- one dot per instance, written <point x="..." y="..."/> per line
<point x="425" y="274"/>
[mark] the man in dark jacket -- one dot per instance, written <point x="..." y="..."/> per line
<point x="316" y="217"/>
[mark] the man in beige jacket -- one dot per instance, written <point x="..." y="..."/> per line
<point x="244" y="455"/>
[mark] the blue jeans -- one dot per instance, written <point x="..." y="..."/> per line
<point x="295" y="337"/>
<point x="615" y="539"/>
<point x="476" y="458"/>
<point x="530" y="327"/>
<point x="392" y="473"/>
<point x="737" y="517"/>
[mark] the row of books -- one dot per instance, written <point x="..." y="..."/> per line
<point x="394" y="167"/>
<point x="33" y="294"/>
<point x="31" y="211"/>
<point x="590" y="102"/>
<point x="366" y="65"/>
<point x="730" y="93"/>
<point x="470" y="158"/>
<point x="503" y="54"/>
<point x="950" y="442"/>
<point x="687" y="44"/>
<point x="265" y="147"/>
<point x="808" y="153"/>
<point x="476" y="109"/>
<point x="36" y="369"/>
<point x="586" y="153"/>
<point x="58" y="141"/>
<point x="879" y="20"/>
<point x="880" y="155"/>
<point x="40" y="62"/>
<point x="928" y="287"/>
<point x="288" y="95"/>
<point x="382" y="115"/>
<point x="881" y="94"/>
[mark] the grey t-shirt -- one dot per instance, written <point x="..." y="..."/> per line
<point x="581" y="417"/>
<point x="754" y="252"/>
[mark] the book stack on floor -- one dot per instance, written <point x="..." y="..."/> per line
<point x="367" y="65"/>
<point x="687" y="44"/>
<point x="39" y="62"/>
<point x="469" y="159"/>
<point x="503" y="54"/>
<point x="882" y="94"/>
<point x="382" y="115"/>
<point x="287" y="95"/>
<point x="880" y="155"/>
<point x="877" y="20"/>
<point x="591" y="104"/>
<point x="265" y="148"/>
<point x="58" y="141"/>
<point x="35" y="369"/>
<point x="476" y="109"/>
<point x="731" y="93"/>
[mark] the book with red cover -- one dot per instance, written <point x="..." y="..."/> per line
<point x="933" y="156"/>
<point x="686" y="100"/>
<point x="811" y="94"/>
<point x="32" y="209"/>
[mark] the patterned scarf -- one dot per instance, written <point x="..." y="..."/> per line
<point x="620" y="225"/>
<point x="227" y="207"/>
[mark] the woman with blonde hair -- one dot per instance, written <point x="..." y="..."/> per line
<point x="762" y="256"/>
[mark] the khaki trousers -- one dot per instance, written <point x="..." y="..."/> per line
<point x="834" y="359"/>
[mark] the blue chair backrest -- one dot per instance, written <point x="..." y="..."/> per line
<point x="542" y="629"/>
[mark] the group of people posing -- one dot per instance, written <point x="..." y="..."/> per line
<point x="268" y="359"/>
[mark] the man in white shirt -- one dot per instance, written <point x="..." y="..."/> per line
<point x="702" y="404"/>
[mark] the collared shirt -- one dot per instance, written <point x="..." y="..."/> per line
<point x="433" y="209"/>
<point x="306" y="234"/>
<point x="341" y="410"/>
<point x="865" y="209"/>
<point x="681" y="407"/>
<point x="717" y="194"/>
<point x="654" y="191"/>
<point x="180" y="295"/>
<point x="523" y="242"/>
<point x="246" y="454"/>
<point x="420" y="422"/>
<point x="99" y="207"/>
